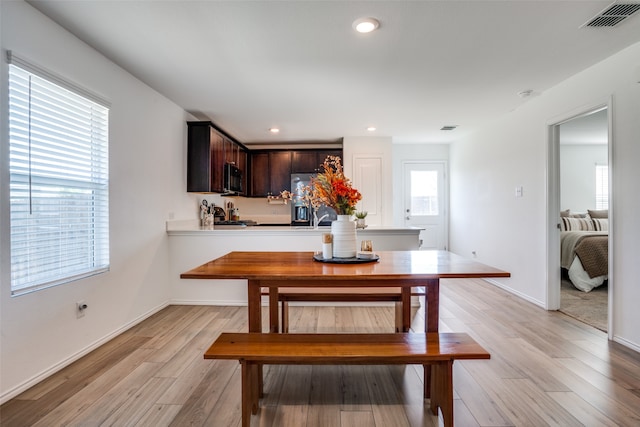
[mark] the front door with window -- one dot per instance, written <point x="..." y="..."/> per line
<point x="426" y="201"/>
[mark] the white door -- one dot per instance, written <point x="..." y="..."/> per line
<point x="426" y="202"/>
<point x="367" y="178"/>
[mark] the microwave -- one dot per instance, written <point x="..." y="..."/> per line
<point x="232" y="178"/>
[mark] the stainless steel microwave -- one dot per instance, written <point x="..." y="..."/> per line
<point x="232" y="178"/>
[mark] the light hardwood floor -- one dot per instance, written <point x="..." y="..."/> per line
<point x="546" y="369"/>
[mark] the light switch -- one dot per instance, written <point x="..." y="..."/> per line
<point x="519" y="191"/>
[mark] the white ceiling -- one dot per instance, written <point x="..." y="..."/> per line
<point x="298" y="65"/>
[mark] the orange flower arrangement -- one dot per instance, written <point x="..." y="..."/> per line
<point x="331" y="188"/>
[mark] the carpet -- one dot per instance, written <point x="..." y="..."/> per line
<point x="587" y="307"/>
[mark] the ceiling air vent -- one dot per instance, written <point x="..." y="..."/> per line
<point x="613" y="15"/>
<point x="448" y="127"/>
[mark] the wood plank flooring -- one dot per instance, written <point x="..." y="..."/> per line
<point x="546" y="369"/>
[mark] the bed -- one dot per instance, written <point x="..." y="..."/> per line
<point x="584" y="249"/>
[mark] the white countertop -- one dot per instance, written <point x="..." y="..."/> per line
<point x="192" y="227"/>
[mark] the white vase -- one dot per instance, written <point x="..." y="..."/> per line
<point x="344" y="237"/>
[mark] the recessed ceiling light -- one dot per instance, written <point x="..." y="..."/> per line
<point x="365" y="25"/>
<point x="274" y="130"/>
<point x="371" y="128"/>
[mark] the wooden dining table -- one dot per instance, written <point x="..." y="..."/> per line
<point x="404" y="270"/>
<point x="394" y="269"/>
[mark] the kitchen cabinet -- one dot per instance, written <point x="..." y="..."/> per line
<point x="208" y="149"/>
<point x="229" y="151"/>
<point x="264" y="172"/>
<point x="243" y="164"/>
<point x="270" y="172"/>
<point x="310" y="161"/>
<point x="204" y="158"/>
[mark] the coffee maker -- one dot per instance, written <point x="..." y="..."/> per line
<point x="300" y="211"/>
<point x="301" y="214"/>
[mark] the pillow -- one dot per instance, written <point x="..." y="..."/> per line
<point x="578" y="215"/>
<point x="604" y="213"/>
<point x="576" y="224"/>
<point x="600" y="224"/>
<point x="565" y="212"/>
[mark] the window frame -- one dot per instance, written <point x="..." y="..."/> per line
<point x="59" y="179"/>
<point x="602" y="186"/>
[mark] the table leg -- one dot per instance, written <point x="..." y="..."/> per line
<point x="255" y="321"/>
<point x="431" y="319"/>
<point x="432" y="316"/>
<point x="273" y="310"/>
<point x="406" y="308"/>
<point x="255" y="306"/>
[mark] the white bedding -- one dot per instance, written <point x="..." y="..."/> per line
<point x="580" y="278"/>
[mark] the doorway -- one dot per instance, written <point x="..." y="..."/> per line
<point x="425" y="202"/>
<point x="579" y="190"/>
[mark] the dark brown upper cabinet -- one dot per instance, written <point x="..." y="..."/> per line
<point x="310" y="161"/>
<point x="270" y="172"/>
<point x="208" y="149"/>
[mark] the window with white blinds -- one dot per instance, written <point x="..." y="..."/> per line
<point x="602" y="186"/>
<point x="59" y="181"/>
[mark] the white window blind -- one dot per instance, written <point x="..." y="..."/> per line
<point x="602" y="186"/>
<point x="59" y="181"/>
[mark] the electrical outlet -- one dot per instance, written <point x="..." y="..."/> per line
<point x="81" y="307"/>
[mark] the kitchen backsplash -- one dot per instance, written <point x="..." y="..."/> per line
<point x="256" y="209"/>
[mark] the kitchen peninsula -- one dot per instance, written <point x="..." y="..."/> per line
<point x="191" y="245"/>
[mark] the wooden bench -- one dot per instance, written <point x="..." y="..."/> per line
<point x="439" y="351"/>
<point x="287" y="295"/>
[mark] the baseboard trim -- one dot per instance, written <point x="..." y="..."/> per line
<point x="626" y="343"/>
<point x="208" y="302"/>
<point x="516" y="293"/>
<point x="15" y="391"/>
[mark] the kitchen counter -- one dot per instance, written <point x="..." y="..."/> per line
<point x="191" y="245"/>
<point x="192" y="228"/>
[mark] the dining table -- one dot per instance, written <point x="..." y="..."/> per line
<point x="389" y="269"/>
<point x="404" y="270"/>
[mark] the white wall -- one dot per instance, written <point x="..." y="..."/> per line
<point x="39" y="331"/>
<point x="509" y="232"/>
<point x="577" y="175"/>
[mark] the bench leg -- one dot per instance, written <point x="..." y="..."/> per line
<point x="442" y="391"/>
<point x="250" y="391"/>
